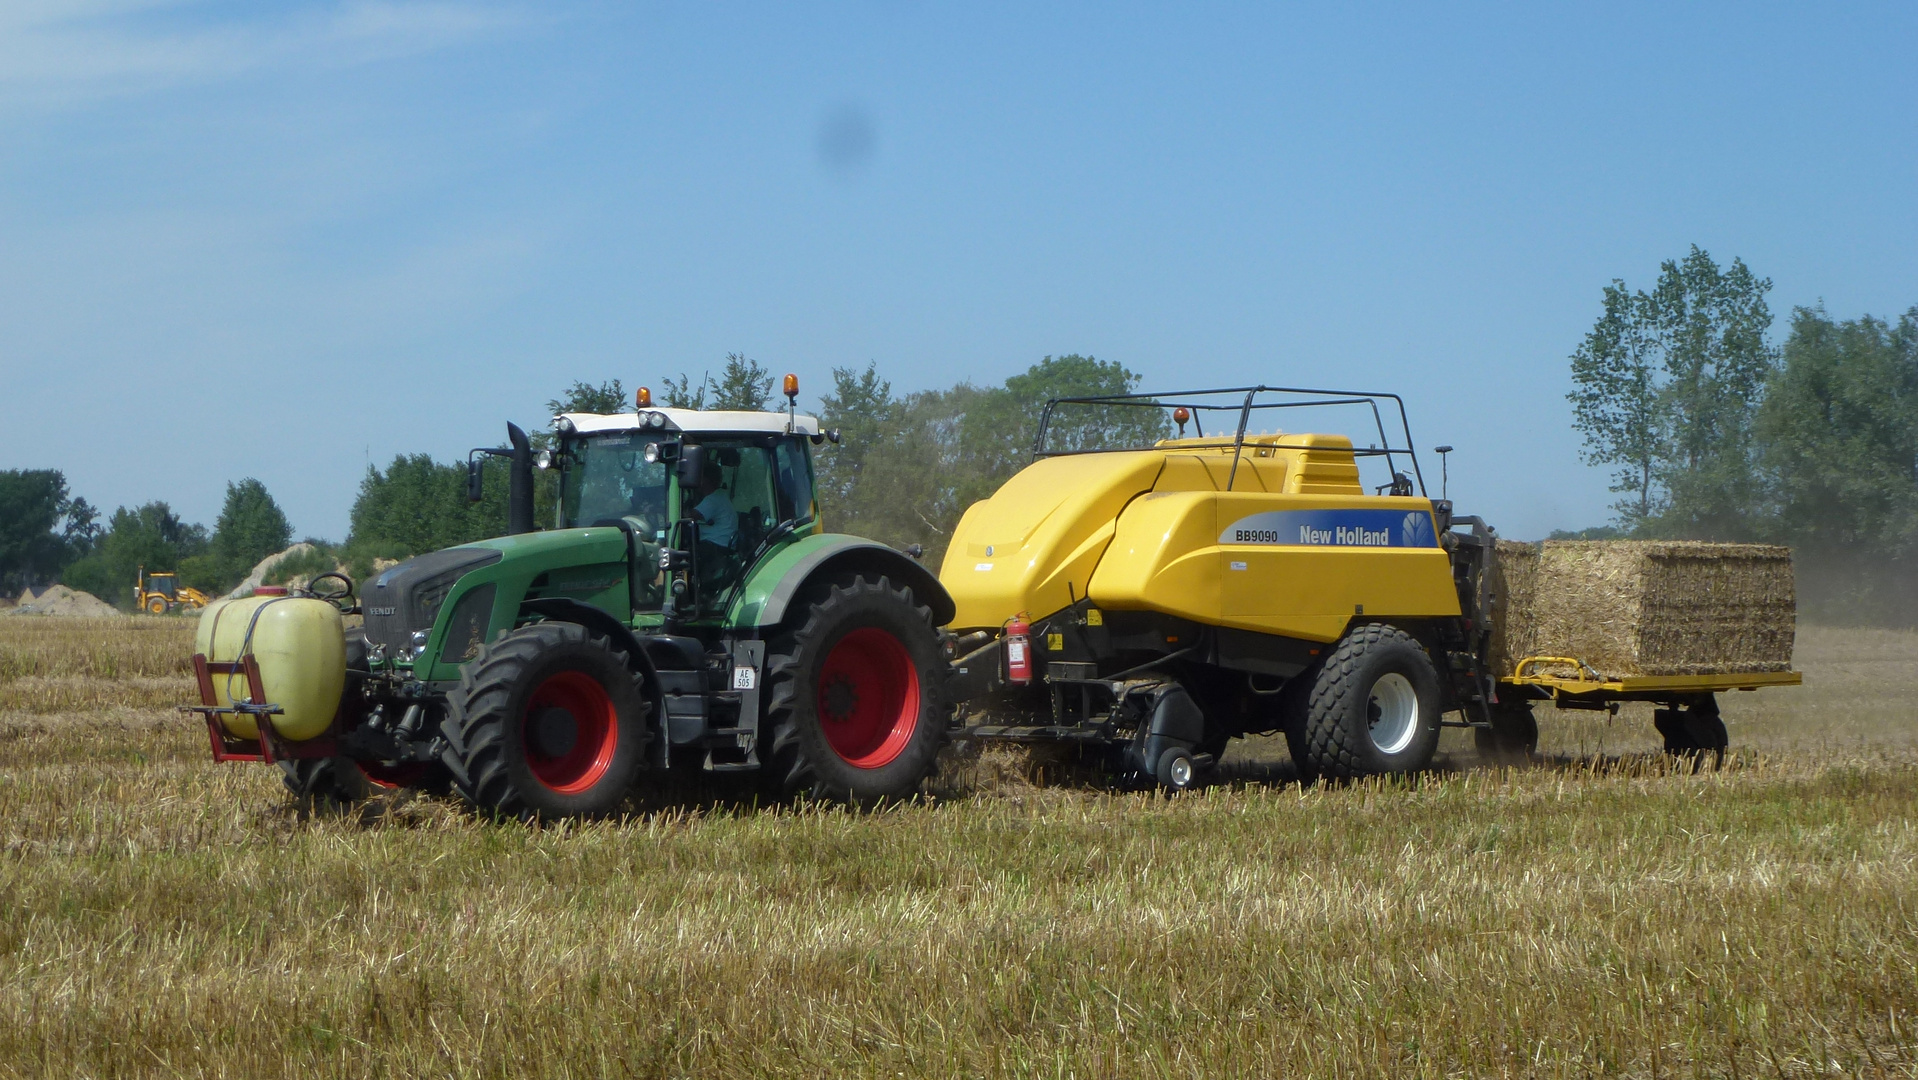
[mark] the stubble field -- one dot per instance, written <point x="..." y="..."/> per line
<point x="1600" y="912"/>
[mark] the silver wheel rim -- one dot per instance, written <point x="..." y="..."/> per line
<point x="1180" y="771"/>
<point x="1393" y="713"/>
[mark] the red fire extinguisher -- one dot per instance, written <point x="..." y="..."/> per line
<point x="1019" y="650"/>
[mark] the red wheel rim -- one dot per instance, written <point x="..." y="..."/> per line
<point x="868" y="698"/>
<point x="573" y="768"/>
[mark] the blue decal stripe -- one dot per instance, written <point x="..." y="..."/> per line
<point x="1334" y="528"/>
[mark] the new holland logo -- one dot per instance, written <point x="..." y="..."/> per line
<point x="1333" y="528"/>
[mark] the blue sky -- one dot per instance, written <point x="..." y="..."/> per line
<point x="285" y="240"/>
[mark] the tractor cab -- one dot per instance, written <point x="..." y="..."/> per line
<point x="701" y="495"/>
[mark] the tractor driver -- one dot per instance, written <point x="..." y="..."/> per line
<point x="718" y="521"/>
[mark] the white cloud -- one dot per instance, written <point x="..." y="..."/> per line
<point x="58" y="52"/>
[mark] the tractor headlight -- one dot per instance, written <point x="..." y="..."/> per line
<point x="419" y="642"/>
<point x="543" y="459"/>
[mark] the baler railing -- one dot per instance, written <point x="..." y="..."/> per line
<point x="1192" y="401"/>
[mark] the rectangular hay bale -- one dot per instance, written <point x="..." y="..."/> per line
<point x="1645" y="607"/>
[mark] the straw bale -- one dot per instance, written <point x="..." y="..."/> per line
<point x="1636" y="607"/>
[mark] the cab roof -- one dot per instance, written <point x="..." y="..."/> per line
<point x="715" y="421"/>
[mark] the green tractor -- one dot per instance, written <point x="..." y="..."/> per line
<point x="685" y="611"/>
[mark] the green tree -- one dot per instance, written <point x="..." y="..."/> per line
<point x="907" y="468"/>
<point x="1615" y="401"/>
<point x="583" y="397"/>
<point x="250" y="527"/>
<point x="861" y="406"/>
<point x="743" y="385"/>
<point x="1666" y="387"/>
<point x="683" y="393"/>
<point x="152" y="536"/>
<point x="418" y="505"/>
<point x="42" y="527"/>
<point x="1838" y="433"/>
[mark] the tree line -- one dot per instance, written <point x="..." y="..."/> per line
<point x="47" y="535"/>
<point x="1715" y="433"/>
<point x="906" y="467"/>
<point x="1711" y="432"/>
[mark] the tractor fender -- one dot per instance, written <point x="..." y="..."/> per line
<point x="776" y="581"/>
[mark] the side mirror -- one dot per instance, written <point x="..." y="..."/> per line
<point x="475" y="479"/>
<point x="692" y="465"/>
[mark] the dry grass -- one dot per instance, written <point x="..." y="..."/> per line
<point x="1600" y="913"/>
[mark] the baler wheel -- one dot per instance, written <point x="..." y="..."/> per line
<point x="547" y="721"/>
<point x="855" y="708"/>
<point x="1373" y="707"/>
<point x="1175" y="770"/>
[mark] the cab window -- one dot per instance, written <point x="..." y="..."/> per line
<point x="795" y="482"/>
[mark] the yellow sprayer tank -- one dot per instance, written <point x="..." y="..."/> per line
<point x="301" y="649"/>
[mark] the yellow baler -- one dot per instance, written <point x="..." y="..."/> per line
<point x="1295" y="547"/>
<point x="1176" y="591"/>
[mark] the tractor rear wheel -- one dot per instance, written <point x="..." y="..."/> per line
<point x="1512" y="737"/>
<point x="1373" y="707"/>
<point x="547" y="721"/>
<point x="856" y="709"/>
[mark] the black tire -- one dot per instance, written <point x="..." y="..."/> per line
<point x="1377" y="676"/>
<point x="1513" y="736"/>
<point x="548" y="721"/>
<point x="856" y="708"/>
<point x="1175" y="771"/>
<point x="326" y="783"/>
<point x="1294" y="698"/>
<point x="1696" y="731"/>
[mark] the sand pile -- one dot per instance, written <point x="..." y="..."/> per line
<point x="257" y="576"/>
<point x="60" y="600"/>
<point x="1634" y="607"/>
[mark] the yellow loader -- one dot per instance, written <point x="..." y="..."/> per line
<point x="160" y="592"/>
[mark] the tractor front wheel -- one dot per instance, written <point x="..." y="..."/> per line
<point x="547" y="721"/>
<point x="330" y="782"/>
<point x="156" y="605"/>
<point x="855" y="709"/>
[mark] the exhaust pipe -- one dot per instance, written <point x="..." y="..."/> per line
<point x="519" y="484"/>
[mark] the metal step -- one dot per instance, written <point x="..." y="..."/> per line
<point x="731" y="740"/>
<point x="730" y="766"/>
